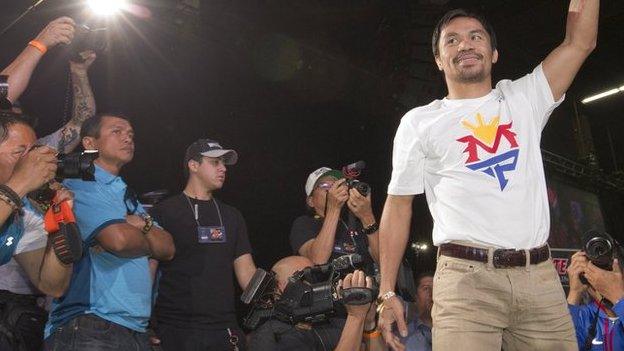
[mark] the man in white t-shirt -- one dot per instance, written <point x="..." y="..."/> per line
<point x="476" y="156"/>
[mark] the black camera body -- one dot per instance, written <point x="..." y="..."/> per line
<point x="87" y="38"/>
<point x="600" y="249"/>
<point x="361" y="187"/>
<point x="77" y="165"/>
<point x="310" y="296"/>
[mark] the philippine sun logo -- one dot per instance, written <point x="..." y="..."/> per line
<point x="487" y="137"/>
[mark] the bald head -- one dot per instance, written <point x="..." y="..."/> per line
<point x="285" y="268"/>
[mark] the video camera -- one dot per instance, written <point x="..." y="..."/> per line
<point x="310" y="296"/>
<point x="600" y="248"/>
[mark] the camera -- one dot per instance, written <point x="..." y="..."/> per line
<point x="600" y="249"/>
<point x="74" y="165"/>
<point x="310" y="296"/>
<point x="351" y="172"/>
<point x="77" y="165"/>
<point x="88" y="38"/>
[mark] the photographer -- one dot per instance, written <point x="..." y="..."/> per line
<point x="333" y="334"/>
<point x="323" y="234"/>
<point x="25" y="249"/>
<point x="598" y="326"/>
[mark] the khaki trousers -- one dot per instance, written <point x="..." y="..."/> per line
<point x="482" y="308"/>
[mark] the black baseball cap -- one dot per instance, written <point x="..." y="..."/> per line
<point x="210" y="148"/>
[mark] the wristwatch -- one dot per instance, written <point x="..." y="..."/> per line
<point x="370" y="229"/>
<point x="385" y="297"/>
<point x="149" y="222"/>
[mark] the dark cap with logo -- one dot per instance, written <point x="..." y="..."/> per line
<point x="210" y="148"/>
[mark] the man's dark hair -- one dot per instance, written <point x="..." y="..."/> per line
<point x="451" y="15"/>
<point x="421" y="275"/>
<point x="7" y="119"/>
<point x="92" y="125"/>
<point x="185" y="169"/>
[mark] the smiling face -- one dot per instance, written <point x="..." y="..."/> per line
<point x="465" y="53"/>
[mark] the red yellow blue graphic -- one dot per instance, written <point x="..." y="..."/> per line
<point x="488" y="138"/>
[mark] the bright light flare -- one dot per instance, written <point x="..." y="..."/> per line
<point x="604" y="94"/>
<point x="418" y="247"/>
<point x="106" y="7"/>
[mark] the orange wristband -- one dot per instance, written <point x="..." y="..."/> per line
<point x="39" y="46"/>
<point x="372" y="335"/>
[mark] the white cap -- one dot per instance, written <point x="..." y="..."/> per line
<point x="316" y="175"/>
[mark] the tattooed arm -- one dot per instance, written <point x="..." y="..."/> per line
<point x="67" y="138"/>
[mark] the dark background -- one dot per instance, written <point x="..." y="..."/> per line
<point x="295" y="85"/>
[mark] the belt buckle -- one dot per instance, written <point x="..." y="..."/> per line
<point x="501" y="258"/>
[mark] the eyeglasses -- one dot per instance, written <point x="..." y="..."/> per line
<point x="324" y="185"/>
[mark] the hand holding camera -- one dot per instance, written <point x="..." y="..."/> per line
<point x="609" y="284"/>
<point x="81" y="66"/>
<point x="33" y="170"/>
<point x="578" y="264"/>
<point x="61" y="30"/>
<point x="357" y="279"/>
<point x="337" y="195"/>
<point x="360" y="205"/>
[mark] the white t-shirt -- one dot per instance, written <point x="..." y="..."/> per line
<point x="12" y="277"/>
<point x="479" y="163"/>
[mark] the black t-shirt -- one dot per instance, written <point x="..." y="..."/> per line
<point x="275" y="335"/>
<point x="307" y="227"/>
<point x="196" y="289"/>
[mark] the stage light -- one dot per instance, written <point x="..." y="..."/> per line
<point x="106" y="7"/>
<point x="420" y="247"/>
<point x="603" y="94"/>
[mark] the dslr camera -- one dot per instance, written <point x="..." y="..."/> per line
<point x="78" y="165"/>
<point x="310" y="296"/>
<point x="600" y="249"/>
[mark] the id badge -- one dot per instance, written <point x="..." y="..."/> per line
<point x="211" y="235"/>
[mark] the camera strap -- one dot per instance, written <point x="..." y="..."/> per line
<point x="233" y="339"/>
<point x="63" y="232"/>
<point x="592" y="328"/>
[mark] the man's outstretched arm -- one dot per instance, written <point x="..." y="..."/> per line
<point x="61" y="30"/>
<point x="563" y="63"/>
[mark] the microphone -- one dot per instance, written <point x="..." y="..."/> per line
<point x="353" y="170"/>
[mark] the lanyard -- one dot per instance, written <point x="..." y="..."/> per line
<point x="608" y="335"/>
<point x="195" y="210"/>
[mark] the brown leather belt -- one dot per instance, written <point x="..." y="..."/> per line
<point x="502" y="258"/>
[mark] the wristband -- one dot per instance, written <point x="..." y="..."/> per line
<point x="370" y="229"/>
<point x="371" y="335"/>
<point x="11" y="196"/>
<point x="39" y="46"/>
<point x="8" y="201"/>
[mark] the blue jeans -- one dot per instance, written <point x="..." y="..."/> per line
<point x="92" y="333"/>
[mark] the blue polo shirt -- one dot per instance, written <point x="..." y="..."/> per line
<point x="116" y="289"/>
